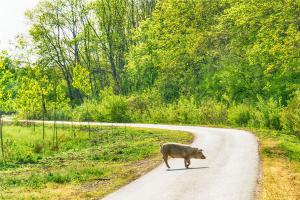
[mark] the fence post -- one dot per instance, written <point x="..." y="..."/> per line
<point x="72" y="129"/>
<point x="1" y="137"/>
<point x="43" y="129"/>
<point x="34" y="118"/>
<point x="89" y="126"/>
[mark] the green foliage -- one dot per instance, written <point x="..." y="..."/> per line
<point x="291" y="115"/>
<point x="213" y="112"/>
<point x="265" y="114"/>
<point x="81" y="79"/>
<point x="7" y="82"/>
<point x="139" y="107"/>
<point x="172" y="50"/>
<point x="111" y="108"/>
<point x="260" y="35"/>
<point x="239" y="115"/>
<point x="87" y="111"/>
<point x="115" y="108"/>
<point x="195" y="61"/>
<point x="270" y="113"/>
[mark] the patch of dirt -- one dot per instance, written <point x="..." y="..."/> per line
<point x="91" y="186"/>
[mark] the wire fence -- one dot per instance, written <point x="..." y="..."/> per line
<point x="45" y="130"/>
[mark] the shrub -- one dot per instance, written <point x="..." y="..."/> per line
<point x="26" y="158"/>
<point x="116" y="108"/>
<point x="187" y="111"/>
<point x="270" y="113"/>
<point x="256" y="118"/>
<point x="57" y="178"/>
<point x="86" y="112"/>
<point x="239" y="115"/>
<point x="139" y="108"/>
<point x="38" y="148"/>
<point x="158" y="114"/>
<point x="212" y="112"/>
<point x="291" y="115"/>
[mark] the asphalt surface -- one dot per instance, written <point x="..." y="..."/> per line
<point x="230" y="172"/>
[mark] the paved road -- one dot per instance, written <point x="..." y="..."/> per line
<point x="230" y="172"/>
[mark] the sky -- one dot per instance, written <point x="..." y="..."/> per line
<point x="13" y="21"/>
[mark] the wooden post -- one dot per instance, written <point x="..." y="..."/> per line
<point x="27" y="123"/>
<point x="89" y="126"/>
<point x="72" y="129"/>
<point x="1" y="137"/>
<point x="55" y="143"/>
<point x="43" y="116"/>
<point x="54" y="124"/>
<point x="88" y="113"/>
<point x="33" y="120"/>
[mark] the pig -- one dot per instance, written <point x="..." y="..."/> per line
<point x="176" y="150"/>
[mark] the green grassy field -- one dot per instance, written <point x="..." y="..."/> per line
<point x="80" y="165"/>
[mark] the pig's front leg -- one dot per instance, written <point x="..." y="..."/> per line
<point x="186" y="162"/>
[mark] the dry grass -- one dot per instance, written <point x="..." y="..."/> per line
<point x="280" y="180"/>
<point x="281" y="177"/>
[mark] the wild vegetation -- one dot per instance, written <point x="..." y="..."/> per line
<point x="80" y="165"/>
<point x="220" y="63"/>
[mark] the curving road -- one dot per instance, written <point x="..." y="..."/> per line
<point x="230" y="172"/>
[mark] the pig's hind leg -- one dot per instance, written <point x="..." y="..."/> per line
<point x="165" y="157"/>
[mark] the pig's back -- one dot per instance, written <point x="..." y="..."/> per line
<point x="176" y="150"/>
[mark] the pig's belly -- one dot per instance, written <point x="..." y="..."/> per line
<point x="177" y="155"/>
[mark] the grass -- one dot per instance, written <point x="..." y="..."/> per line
<point x="88" y="168"/>
<point x="280" y="157"/>
<point x="80" y="166"/>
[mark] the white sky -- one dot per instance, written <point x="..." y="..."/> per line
<point x="12" y="20"/>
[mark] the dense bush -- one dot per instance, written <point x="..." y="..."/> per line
<point x="139" y="108"/>
<point x="149" y="108"/>
<point x="264" y="114"/>
<point x="291" y="115"/>
<point x="212" y="112"/>
<point x="239" y="115"/>
<point x="115" y="108"/>
<point x="86" y="112"/>
<point x="111" y="108"/>
<point x="270" y="113"/>
<point x="186" y="111"/>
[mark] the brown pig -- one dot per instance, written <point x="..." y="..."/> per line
<point x="176" y="150"/>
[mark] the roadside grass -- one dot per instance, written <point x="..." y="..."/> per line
<point x="82" y="165"/>
<point x="280" y="157"/>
